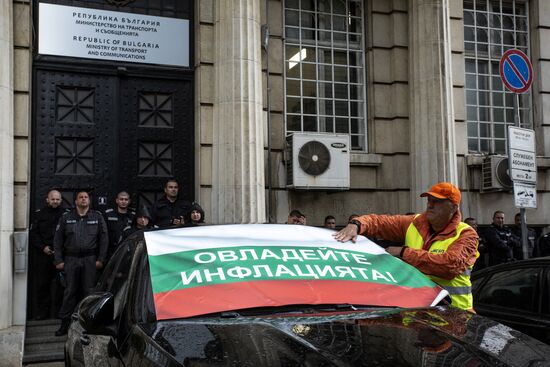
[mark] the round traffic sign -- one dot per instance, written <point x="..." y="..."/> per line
<point x="516" y="71"/>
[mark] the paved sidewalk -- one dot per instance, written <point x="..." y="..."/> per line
<point x="11" y="346"/>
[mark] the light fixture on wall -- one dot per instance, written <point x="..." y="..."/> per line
<point x="265" y="36"/>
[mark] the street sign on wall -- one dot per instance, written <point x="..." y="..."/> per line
<point x="516" y="71"/>
<point x="521" y="154"/>
<point x="522" y="161"/>
<point x="525" y="195"/>
<point x="109" y="35"/>
<point x="523" y="166"/>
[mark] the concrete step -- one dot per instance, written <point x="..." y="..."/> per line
<point x="44" y="352"/>
<point x="41" y="344"/>
<point x="44" y="338"/>
<point x="45" y="347"/>
<point x="45" y="364"/>
<point x="43" y="357"/>
<point x="42" y="327"/>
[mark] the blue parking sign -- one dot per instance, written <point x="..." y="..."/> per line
<point x="516" y="71"/>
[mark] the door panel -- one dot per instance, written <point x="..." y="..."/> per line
<point x="74" y="133"/>
<point x="111" y="133"/>
<point x="106" y="133"/>
<point x="156" y="136"/>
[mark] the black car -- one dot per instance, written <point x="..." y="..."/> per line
<point x="516" y="294"/>
<point x="118" y="326"/>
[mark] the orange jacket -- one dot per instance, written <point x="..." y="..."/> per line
<point x="458" y="257"/>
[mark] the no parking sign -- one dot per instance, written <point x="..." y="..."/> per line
<point x="516" y="71"/>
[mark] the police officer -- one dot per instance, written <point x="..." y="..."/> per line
<point x="483" y="260"/>
<point x="169" y="210"/>
<point x="499" y="240"/>
<point x="117" y="219"/>
<point x="142" y="220"/>
<point x="543" y="246"/>
<point x="516" y="233"/>
<point x="80" y="246"/>
<point x="195" y="216"/>
<point x="41" y="238"/>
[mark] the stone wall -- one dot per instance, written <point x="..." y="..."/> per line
<point x="6" y="163"/>
<point x="22" y="105"/>
<point x="204" y="102"/>
<point x="15" y="79"/>
<point x="381" y="177"/>
<point x="482" y="205"/>
<point x="373" y="184"/>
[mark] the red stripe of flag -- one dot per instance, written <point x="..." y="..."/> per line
<point x="225" y="297"/>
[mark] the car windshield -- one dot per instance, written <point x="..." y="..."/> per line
<point x="238" y="270"/>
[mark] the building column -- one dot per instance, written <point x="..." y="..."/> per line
<point x="433" y="148"/>
<point x="6" y="162"/>
<point x="238" y="190"/>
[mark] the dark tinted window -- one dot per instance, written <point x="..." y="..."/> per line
<point x="546" y="295"/>
<point x="512" y="289"/>
<point x="115" y="276"/>
<point x="144" y="307"/>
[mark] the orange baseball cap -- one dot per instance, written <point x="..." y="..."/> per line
<point x="444" y="190"/>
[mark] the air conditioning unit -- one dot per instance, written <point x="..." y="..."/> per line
<point x="494" y="174"/>
<point x="318" y="161"/>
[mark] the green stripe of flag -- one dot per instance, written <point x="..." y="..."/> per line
<point x="326" y="263"/>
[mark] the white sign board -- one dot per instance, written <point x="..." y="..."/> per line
<point x="523" y="165"/>
<point x="522" y="139"/>
<point x="108" y="35"/>
<point x="525" y="195"/>
<point x="521" y="154"/>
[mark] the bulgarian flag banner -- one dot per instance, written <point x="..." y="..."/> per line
<point x="201" y="270"/>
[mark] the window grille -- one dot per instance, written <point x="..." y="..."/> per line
<point x="491" y="27"/>
<point x="324" y="68"/>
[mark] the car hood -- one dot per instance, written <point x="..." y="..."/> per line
<point x="399" y="337"/>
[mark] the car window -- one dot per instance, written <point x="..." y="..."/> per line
<point x="106" y="278"/>
<point x="115" y="277"/>
<point x="511" y="289"/>
<point x="144" y="307"/>
<point x="546" y="295"/>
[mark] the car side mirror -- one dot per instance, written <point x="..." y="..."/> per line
<point x="96" y="312"/>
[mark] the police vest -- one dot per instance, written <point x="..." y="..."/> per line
<point x="460" y="287"/>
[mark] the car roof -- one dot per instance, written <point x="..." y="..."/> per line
<point x="537" y="261"/>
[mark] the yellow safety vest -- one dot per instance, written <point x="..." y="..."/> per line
<point x="460" y="287"/>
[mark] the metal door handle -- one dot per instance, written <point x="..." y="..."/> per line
<point x="84" y="339"/>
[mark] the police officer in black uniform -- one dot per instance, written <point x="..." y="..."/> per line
<point x="41" y="238"/>
<point x="117" y="219"/>
<point x="169" y="210"/>
<point x="516" y="233"/>
<point x="80" y="246"/>
<point x="142" y="220"/>
<point x="543" y="246"/>
<point x="499" y="240"/>
<point x="482" y="248"/>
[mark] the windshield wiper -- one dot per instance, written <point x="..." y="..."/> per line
<point x="345" y="306"/>
<point x="289" y="310"/>
<point x="230" y="315"/>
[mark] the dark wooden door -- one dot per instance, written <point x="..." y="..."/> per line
<point x="107" y="133"/>
<point x="156" y="136"/>
<point x="75" y="128"/>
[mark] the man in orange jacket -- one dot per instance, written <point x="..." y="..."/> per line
<point x="436" y="242"/>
